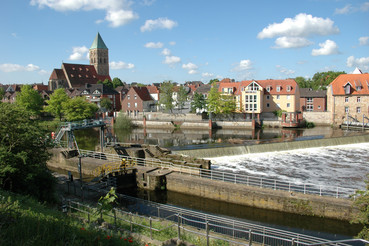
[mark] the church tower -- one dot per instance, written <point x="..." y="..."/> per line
<point x="99" y="56"/>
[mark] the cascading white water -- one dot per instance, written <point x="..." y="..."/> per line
<point x="342" y="166"/>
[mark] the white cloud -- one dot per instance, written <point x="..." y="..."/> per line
<point x="303" y="25"/>
<point x="191" y="68"/>
<point x="291" y="42"/>
<point x="364" y="7"/>
<point x="207" y="75"/>
<point x="120" y="17"/>
<point x="243" y="66"/>
<point x="8" y="68"/>
<point x="79" y="53"/>
<point x="148" y="2"/>
<point x="362" y="62"/>
<point x="345" y="10"/>
<point x="171" y="60"/>
<point x="121" y="65"/>
<point x="118" y="12"/>
<point x="161" y="23"/>
<point x="166" y="52"/>
<point x="364" y="41"/>
<point x="44" y="72"/>
<point x="153" y="45"/>
<point x="172" y="43"/>
<point x="329" y="47"/>
<point x="284" y="70"/>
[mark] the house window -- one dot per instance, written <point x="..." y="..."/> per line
<point x="268" y="105"/>
<point x="128" y="105"/>
<point x="346" y="99"/>
<point x="358" y="110"/>
<point x="310" y="107"/>
<point x="346" y="110"/>
<point x="255" y="106"/>
<point x="309" y="100"/>
<point x="278" y="88"/>
<point x="319" y="107"/>
<point x="358" y="88"/>
<point x="268" y="89"/>
<point x="288" y="97"/>
<point x="254" y="98"/>
<point x="288" y="88"/>
<point x="135" y="96"/>
<point x="288" y="105"/>
<point x="347" y="89"/>
<point x="246" y="107"/>
<point x="268" y="97"/>
<point x="128" y="97"/>
<point x="278" y="97"/>
<point x="247" y="98"/>
<point x="135" y="105"/>
<point x="358" y="99"/>
<point x="278" y="105"/>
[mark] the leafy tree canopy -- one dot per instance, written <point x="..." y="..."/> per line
<point x="362" y="203"/>
<point x="198" y="102"/>
<point x="30" y="99"/>
<point x="106" y="82"/>
<point x="166" y="95"/>
<point x="78" y="109"/>
<point x="2" y="92"/>
<point x="218" y="103"/>
<point x="181" y="97"/>
<point x="320" y="81"/>
<point x="302" y="82"/>
<point x="117" y="82"/>
<point x="212" y="81"/>
<point x="55" y="103"/>
<point x="106" y="104"/>
<point x="23" y="154"/>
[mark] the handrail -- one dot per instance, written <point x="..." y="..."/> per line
<point x="305" y="188"/>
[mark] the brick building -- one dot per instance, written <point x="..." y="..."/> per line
<point x="313" y="100"/>
<point x="137" y="100"/>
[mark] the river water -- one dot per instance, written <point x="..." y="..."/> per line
<point x="343" y="166"/>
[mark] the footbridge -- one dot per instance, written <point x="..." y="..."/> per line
<point x="354" y="123"/>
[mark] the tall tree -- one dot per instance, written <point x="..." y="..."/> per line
<point x="23" y="154"/>
<point x="181" y="97"/>
<point x="214" y="101"/>
<point x="212" y="81"/>
<point x="2" y="93"/>
<point x="55" y="103"/>
<point x="117" y="82"/>
<point x="106" y="82"/>
<point x="79" y="109"/>
<point x="166" y="95"/>
<point x="106" y="104"/>
<point x="302" y="82"/>
<point x="320" y="81"/>
<point x="198" y="102"/>
<point x="228" y="104"/>
<point x="30" y="99"/>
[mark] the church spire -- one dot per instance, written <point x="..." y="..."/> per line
<point x="98" y="43"/>
<point x="99" y="56"/>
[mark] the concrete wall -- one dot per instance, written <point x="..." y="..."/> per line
<point x="326" y="207"/>
<point x="318" y="118"/>
<point x="234" y="124"/>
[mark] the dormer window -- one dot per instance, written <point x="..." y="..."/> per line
<point x="347" y="88"/>
<point x="253" y="87"/>
<point x="278" y="88"/>
<point x="289" y="88"/>
<point x="268" y="88"/>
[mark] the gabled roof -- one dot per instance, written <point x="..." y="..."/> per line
<point x="79" y="75"/>
<point x="152" y="89"/>
<point x="57" y="74"/>
<point x="101" y="88"/>
<point x="142" y="92"/>
<point x="98" y="43"/>
<point x="308" y="92"/>
<point x="204" y="89"/>
<point x="355" y="80"/>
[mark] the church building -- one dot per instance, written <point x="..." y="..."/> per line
<point x="77" y="75"/>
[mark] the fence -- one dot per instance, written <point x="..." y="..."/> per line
<point x="338" y="192"/>
<point x="183" y="224"/>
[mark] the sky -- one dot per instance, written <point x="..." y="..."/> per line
<point x="152" y="41"/>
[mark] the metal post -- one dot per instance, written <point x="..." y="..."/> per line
<point x="102" y="139"/>
<point x="150" y="227"/>
<point x="250" y="237"/>
<point x="80" y="174"/>
<point x="275" y="184"/>
<point x="130" y="220"/>
<point x="207" y="233"/>
<point x="261" y="183"/>
<point x="304" y="188"/>
<point x="337" y="192"/>
<point x="320" y="191"/>
<point x="293" y="242"/>
<point x="179" y="227"/>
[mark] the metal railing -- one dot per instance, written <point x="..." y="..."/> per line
<point x="338" y="192"/>
<point x="208" y="227"/>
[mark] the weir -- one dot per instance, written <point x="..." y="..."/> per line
<point x="271" y="147"/>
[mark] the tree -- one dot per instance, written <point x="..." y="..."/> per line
<point x="181" y="97"/>
<point x="362" y="203"/>
<point x="55" y="103"/>
<point x="117" y="82"/>
<point x="166" y="95"/>
<point x="2" y="92"/>
<point x="106" y="82"/>
<point x="320" y="81"/>
<point x="302" y="82"/>
<point x="23" y="154"/>
<point x="213" y="101"/>
<point x="198" y="102"/>
<point x="30" y="99"/>
<point x="212" y="81"/>
<point x="106" y="104"/>
<point x="79" y="109"/>
<point x="228" y="104"/>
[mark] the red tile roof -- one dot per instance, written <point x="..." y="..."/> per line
<point x="152" y="89"/>
<point x="79" y="75"/>
<point x="142" y="93"/>
<point x="355" y="81"/>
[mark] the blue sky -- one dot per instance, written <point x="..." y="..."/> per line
<point x="185" y="40"/>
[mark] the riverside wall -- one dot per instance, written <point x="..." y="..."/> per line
<point x="296" y="203"/>
<point x="271" y="147"/>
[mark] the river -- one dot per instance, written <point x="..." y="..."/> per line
<point x="343" y="166"/>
